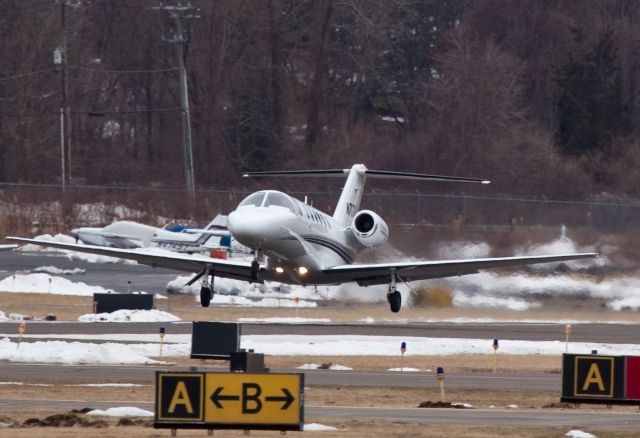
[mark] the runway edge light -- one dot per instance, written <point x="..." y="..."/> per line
<point x="495" y="355"/>
<point x="403" y="349"/>
<point x="162" y="333"/>
<point x="440" y="377"/>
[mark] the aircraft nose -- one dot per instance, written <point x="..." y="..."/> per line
<point x="252" y="227"/>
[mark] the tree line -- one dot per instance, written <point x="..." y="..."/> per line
<point x="540" y="96"/>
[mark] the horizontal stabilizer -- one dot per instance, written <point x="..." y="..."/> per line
<point x="368" y="172"/>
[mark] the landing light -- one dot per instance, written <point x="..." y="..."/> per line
<point x="302" y="270"/>
<point x="279" y="269"/>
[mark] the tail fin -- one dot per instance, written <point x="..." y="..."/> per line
<point x="349" y="202"/>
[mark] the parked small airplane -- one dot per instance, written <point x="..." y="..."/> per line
<point x="128" y="235"/>
<point x="296" y="243"/>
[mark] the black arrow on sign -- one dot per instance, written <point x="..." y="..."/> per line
<point x="287" y="399"/>
<point x="216" y="397"/>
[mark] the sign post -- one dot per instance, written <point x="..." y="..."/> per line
<point x="495" y="355"/>
<point x="567" y="335"/>
<point x="162" y="333"/>
<point x="440" y="376"/>
<point x="21" y="330"/>
<point x="403" y="349"/>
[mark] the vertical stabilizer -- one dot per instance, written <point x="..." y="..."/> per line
<point x="349" y="202"/>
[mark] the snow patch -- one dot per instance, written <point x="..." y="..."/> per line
<point x="411" y="370"/>
<point x="575" y="433"/>
<point x="317" y="427"/>
<point x="124" y="411"/>
<point x="71" y="353"/>
<point x="57" y="271"/>
<point x="126" y="315"/>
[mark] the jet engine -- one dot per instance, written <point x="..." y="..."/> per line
<point x="369" y="228"/>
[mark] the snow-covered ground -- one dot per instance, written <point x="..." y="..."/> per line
<point x="44" y="283"/>
<point x="126" y="315"/>
<point x="112" y="352"/>
<point x="57" y="271"/>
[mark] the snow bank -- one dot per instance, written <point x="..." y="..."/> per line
<point x="357" y="345"/>
<point x="126" y="315"/>
<point x="44" y="283"/>
<point x="71" y="353"/>
<point x="125" y="411"/>
<point x="57" y="271"/>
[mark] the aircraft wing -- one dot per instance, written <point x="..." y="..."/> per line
<point x="238" y="270"/>
<point x="380" y="273"/>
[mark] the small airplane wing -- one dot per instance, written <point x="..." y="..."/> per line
<point x="380" y="273"/>
<point x="238" y="270"/>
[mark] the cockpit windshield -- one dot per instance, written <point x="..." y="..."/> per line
<point x="253" y="200"/>
<point x="278" y="199"/>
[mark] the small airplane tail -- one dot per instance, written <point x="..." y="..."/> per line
<point x="351" y="196"/>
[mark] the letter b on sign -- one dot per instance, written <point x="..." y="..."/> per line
<point x="251" y="403"/>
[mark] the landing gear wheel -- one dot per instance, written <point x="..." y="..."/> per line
<point x="205" y="296"/>
<point x="255" y="269"/>
<point x="395" y="301"/>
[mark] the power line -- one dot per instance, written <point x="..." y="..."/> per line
<point x="26" y="75"/>
<point x="78" y="67"/>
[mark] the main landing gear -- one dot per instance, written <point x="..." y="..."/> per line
<point x="206" y="289"/>
<point x="393" y="296"/>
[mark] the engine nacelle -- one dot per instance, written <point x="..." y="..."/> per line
<point x="369" y="228"/>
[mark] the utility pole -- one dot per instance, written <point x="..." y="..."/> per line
<point x="60" y="57"/>
<point x="178" y="14"/>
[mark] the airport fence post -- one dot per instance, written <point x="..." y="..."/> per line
<point x="21" y="330"/>
<point x="567" y="335"/>
<point x="440" y="376"/>
<point x="403" y="349"/>
<point x="495" y="355"/>
<point x="162" y="333"/>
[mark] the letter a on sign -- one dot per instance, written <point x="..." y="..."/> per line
<point x="593" y="376"/>
<point x="181" y="397"/>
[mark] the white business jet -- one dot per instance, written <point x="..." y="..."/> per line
<point x="295" y="243"/>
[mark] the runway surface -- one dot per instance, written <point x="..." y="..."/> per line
<point x="391" y="379"/>
<point x="477" y="417"/>
<point x="528" y="331"/>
